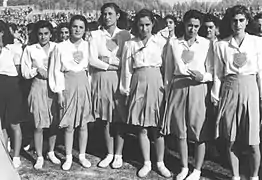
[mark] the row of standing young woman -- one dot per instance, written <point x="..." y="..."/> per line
<point x="60" y="74"/>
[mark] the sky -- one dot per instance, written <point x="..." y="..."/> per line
<point x="171" y="2"/>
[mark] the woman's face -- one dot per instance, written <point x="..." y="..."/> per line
<point x="44" y="35"/>
<point x="210" y="29"/>
<point x="77" y="29"/>
<point x="239" y="23"/>
<point x="110" y="17"/>
<point x="145" y="26"/>
<point x="191" y="27"/>
<point x="64" y="34"/>
<point x="170" y="24"/>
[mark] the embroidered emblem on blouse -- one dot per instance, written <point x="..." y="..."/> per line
<point x="240" y="60"/>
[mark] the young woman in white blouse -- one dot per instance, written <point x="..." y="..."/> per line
<point x="141" y="82"/>
<point x="188" y="68"/>
<point x="68" y="77"/>
<point x="108" y="104"/>
<point x="41" y="100"/>
<point x="237" y="90"/>
<point x="10" y="91"/>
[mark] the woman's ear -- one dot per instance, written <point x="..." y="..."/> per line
<point x="117" y="16"/>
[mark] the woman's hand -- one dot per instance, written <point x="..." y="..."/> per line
<point x="112" y="68"/>
<point x="196" y="75"/>
<point x="105" y="59"/>
<point x="61" y="100"/>
<point x="126" y="100"/>
<point x="42" y="73"/>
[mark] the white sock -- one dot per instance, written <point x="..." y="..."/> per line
<point x="235" y="178"/>
<point x="51" y="153"/>
<point x="254" y="178"/>
<point x="40" y="157"/>
<point x="82" y="156"/>
<point x="69" y="157"/>
<point x="110" y="155"/>
<point x="17" y="158"/>
<point x="160" y="164"/>
<point x="196" y="171"/>
<point x="147" y="163"/>
<point x="184" y="169"/>
<point x="118" y="156"/>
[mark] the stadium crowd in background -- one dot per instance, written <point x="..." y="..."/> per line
<point x="157" y="71"/>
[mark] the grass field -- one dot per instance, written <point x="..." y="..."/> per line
<point x="213" y="169"/>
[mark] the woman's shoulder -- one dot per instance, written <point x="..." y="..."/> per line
<point x="96" y="33"/>
<point x="123" y="32"/>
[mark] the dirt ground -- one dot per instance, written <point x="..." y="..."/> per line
<point x="215" y="168"/>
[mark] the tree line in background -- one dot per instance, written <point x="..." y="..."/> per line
<point x="86" y="5"/>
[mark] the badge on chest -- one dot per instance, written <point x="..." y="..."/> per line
<point x="240" y="60"/>
<point x="78" y="56"/>
<point x="187" y="56"/>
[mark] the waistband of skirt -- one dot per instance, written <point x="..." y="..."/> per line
<point x="73" y="73"/>
<point x="146" y="67"/>
<point x="239" y="76"/>
<point x="101" y="70"/>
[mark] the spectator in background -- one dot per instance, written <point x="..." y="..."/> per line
<point x="210" y="27"/>
<point x="63" y="32"/>
<point x="258" y="21"/>
<point x="170" y="23"/>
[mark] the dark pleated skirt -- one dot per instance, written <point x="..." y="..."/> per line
<point x="10" y="101"/>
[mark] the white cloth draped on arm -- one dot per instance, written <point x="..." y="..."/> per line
<point x="93" y="59"/>
<point x="259" y="65"/>
<point x="126" y="70"/>
<point x="169" y="67"/>
<point x="27" y="68"/>
<point x="209" y="64"/>
<point x="55" y="75"/>
<point x="218" y="73"/>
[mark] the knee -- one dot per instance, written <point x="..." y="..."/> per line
<point x="16" y="127"/>
<point x="254" y="149"/>
<point x="83" y="128"/>
<point x="38" y="130"/>
<point x="230" y="146"/>
<point x="143" y="132"/>
<point x="106" y="125"/>
<point x="69" y="130"/>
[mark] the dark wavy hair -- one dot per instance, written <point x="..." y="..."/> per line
<point x="38" y="25"/>
<point x="58" y="30"/>
<point x="7" y="37"/>
<point x="144" y="13"/>
<point x="77" y="17"/>
<point x="225" y="25"/>
<point x="170" y="16"/>
<point x="122" y="21"/>
<point x="208" y="18"/>
<point x="62" y="25"/>
<point x="193" y="14"/>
